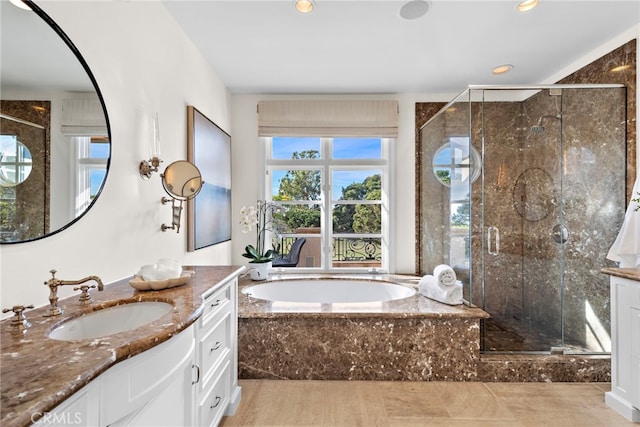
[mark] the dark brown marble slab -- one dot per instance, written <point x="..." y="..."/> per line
<point x="408" y="339"/>
<point x="545" y="368"/>
<point x="39" y="373"/>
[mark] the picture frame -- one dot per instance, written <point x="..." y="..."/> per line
<point x="208" y="214"/>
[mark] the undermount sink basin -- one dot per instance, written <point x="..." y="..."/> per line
<point x="111" y="320"/>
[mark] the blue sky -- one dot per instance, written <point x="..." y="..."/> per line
<point x="343" y="148"/>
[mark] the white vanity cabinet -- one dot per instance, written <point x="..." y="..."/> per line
<point x="624" y="396"/>
<point x="153" y="388"/>
<point x="189" y="380"/>
<point x="217" y="392"/>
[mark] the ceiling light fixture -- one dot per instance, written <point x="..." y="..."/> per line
<point x="304" y="6"/>
<point x="20" y="4"/>
<point x="501" y="69"/>
<point x="414" y="9"/>
<point x="527" y="5"/>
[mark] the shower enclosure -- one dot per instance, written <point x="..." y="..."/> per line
<point x="522" y="191"/>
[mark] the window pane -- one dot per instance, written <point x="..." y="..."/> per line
<point x="356" y="184"/>
<point x="357" y="218"/>
<point x="295" y="147"/>
<point x="303" y="184"/>
<point x="310" y="255"/>
<point x="357" y="148"/>
<point x="302" y="218"/>
<point x="97" y="177"/>
<point x="98" y="150"/>
<point x="349" y="253"/>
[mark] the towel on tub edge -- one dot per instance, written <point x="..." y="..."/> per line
<point x="445" y="275"/>
<point x="451" y="295"/>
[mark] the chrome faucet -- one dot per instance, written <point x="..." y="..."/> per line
<point x="85" y="297"/>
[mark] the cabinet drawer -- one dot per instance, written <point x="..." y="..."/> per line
<point x="211" y="408"/>
<point x="214" y="346"/>
<point x="214" y="304"/>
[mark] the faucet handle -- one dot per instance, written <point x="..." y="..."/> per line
<point x="19" y="320"/>
<point x="85" y="297"/>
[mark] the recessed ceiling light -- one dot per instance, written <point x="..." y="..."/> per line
<point x="20" y="4"/>
<point x="527" y="5"/>
<point x="304" y="6"/>
<point x="414" y="9"/>
<point x="501" y="69"/>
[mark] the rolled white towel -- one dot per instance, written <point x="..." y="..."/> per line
<point x="451" y="295"/>
<point x="426" y="282"/>
<point x="445" y="275"/>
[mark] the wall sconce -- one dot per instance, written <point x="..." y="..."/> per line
<point x="182" y="181"/>
<point x="147" y="167"/>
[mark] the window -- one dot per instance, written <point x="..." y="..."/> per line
<point x="333" y="192"/>
<point x="92" y="154"/>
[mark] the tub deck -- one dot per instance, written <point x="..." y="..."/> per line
<point x="409" y="339"/>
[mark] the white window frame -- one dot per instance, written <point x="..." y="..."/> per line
<point x="327" y="165"/>
<point x="84" y="164"/>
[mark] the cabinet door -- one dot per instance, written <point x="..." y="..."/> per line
<point x="153" y="388"/>
<point x="81" y="409"/>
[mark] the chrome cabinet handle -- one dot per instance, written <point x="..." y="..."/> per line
<point x="215" y="304"/>
<point x="197" y="375"/>
<point x="216" y="402"/>
<point x="216" y="346"/>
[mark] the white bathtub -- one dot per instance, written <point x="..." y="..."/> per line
<point x="328" y="291"/>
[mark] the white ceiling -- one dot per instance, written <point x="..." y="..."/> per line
<point x="363" y="46"/>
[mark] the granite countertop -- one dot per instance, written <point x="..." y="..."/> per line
<point x="38" y="373"/>
<point x="414" y="306"/>
<point x="625" y="273"/>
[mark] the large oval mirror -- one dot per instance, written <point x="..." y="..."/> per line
<point x="51" y="108"/>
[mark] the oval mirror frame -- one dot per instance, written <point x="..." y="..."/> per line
<point x="182" y="180"/>
<point x="76" y="53"/>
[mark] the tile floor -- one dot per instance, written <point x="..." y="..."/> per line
<point x="267" y="403"/>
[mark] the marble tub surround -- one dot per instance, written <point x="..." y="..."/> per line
<point x="408" y="339"/>
<point x="38" y="373"/>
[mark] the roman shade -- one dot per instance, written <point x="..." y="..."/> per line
<point x="328" y="118"/>
<point x="83" y="116"/>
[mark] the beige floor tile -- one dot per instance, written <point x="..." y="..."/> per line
<point x="557" y="404"/>
<point x="418" y="404"/>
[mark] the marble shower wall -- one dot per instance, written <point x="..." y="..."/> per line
<point x="524" y="195"/>
<point x="31" y="196"/>
<point x="569" y="171"/>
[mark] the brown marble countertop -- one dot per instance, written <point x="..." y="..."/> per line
<point x="414" y="306"/>
<point x="625" y="273"/>
<point x="38" y="373"/>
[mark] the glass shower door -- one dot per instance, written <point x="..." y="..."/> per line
<point x="522" y="220"/>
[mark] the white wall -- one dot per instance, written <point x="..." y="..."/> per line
<point x="143" y="63"/>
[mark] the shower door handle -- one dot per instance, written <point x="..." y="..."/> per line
<point x="493" y="243"/>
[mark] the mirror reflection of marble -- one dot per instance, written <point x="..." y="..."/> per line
<point x="50" y="103"/>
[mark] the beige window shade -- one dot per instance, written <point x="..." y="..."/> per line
<point x="83" y="116"/>
<point x="328" y="118"/>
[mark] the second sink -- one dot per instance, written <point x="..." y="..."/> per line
<point x="111" y="320"/>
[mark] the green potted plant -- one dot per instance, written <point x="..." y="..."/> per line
<point x="260" y="216"/>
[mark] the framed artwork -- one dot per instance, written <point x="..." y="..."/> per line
<point x="209" y="214"/>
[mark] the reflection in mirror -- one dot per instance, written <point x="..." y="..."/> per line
<point x="15" y="161"/>
<point x="182" y="180"/>
<point x="52" y="107"/>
